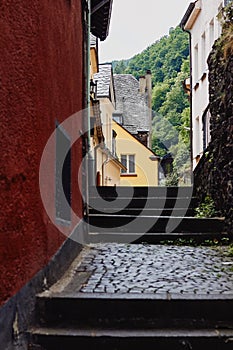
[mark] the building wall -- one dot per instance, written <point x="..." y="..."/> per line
<point x="100" y="160"/>
<point x="105" y="166"/>
<point x="113" y="173"/>
<point x="93" y="62"/>
<point x="41" y="67"/>
<point x="146" y="173"/>
<point x="107" y="109"/>
<point x="205" y="30"/>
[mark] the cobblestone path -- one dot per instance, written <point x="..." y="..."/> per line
<point x="124" y="268"/>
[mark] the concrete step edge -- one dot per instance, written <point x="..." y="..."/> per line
<point x="120" y="333"/>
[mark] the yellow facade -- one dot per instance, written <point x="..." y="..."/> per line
<point x="146" y="162"/>
<point x="108" y="170"/>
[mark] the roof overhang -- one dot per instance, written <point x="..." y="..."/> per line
<point x="191" y="15"/>
<point x="100" y="17"/>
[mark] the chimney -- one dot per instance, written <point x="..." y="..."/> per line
<point x="142" y="85"/>
<point x="148" y="78"/>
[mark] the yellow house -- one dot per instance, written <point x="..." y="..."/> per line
<point x="142" y="164"/>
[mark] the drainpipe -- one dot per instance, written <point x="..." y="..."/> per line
<point x="86" y="114"/>
<point x="91" y="176"/>
<point x="88" y="71"/>
<point x="103" y="169"/>
<point x="191" y="95"/>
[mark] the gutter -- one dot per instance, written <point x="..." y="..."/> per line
<point x="187" y="15"/>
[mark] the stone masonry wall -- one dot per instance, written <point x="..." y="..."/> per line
<point x="214" y="173"/>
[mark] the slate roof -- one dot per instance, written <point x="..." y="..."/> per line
<point x="131" y="103"/>
<point x="103" y="78"/>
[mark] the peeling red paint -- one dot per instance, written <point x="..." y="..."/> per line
<point x="41" y="81"/>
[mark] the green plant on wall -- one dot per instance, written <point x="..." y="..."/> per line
<point x="226" y="18"/>
<point x="172" y="179"/>
<point x="206" y="208"/>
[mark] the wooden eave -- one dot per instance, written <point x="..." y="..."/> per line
<point x="100" y="18"/>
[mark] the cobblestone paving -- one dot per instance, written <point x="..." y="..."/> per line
<point x="124" y="268"/>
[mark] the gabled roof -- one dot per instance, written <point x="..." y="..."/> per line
<point x="104" y="79"/>
<point x="136" y="140"/>
<point x="100" y="17"/>
<point x="131" y="103"/>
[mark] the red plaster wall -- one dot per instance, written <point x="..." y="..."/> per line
<point x="41" y="80"/>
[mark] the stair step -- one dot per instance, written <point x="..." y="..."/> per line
<point x="107" y="191"/>
<point x="159" y="339"/>
<point x="70" y="319"/>
<point x="142" y="224"/>
<point x="141" y="203"/>
<point x="85" y="309"/>
<point x="146" y="212"/>
<point x="153" y="238"/>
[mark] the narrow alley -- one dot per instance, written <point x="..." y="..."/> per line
<point x="172" y="292"/>
<point x="116" y="175"/>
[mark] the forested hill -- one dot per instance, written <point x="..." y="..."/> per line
<point x="164" y="58"/>
<point x="168" y="60"/>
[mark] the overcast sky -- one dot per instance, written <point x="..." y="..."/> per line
<point x="136" y="24"/>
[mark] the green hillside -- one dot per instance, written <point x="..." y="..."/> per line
<point x="168" y="60"/>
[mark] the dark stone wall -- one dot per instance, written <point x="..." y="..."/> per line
<point x="214" y="174"/>
<point x="18" y="314"/>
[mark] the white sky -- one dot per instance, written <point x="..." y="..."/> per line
<point x="136" y="24"/>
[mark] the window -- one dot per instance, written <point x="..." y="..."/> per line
<point x="128" y="160"/>
<point x="63" y="176"/>
<point x="114" y="135"/>
<point x="203" y="53"/>
<point x="211" y="34"/>
<point x="196" y="64"/>
<point x="206" y="128"/>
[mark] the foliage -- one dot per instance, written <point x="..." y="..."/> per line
<point x="164" y="58"/>
<point x="206" y="208"/>
<point x="196" y="242"/>
<point x="230" y="250"/>
<point x="172" y="179"/>
<point x="119" y="66"/>
<point x="159" y="94"/>
<point x="226" y="40"/>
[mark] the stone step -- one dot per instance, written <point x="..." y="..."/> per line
<point x="155" y="237"/>
<point x="135" y="310"/>
<point x="153" y="224"/>
<point x="147" y="212"/>
<point x="115" y="339"/>
<point x="107" y="191"/>
<point x="113" y="203"/>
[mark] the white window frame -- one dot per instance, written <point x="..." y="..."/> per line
<point x="127" y="163"/>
